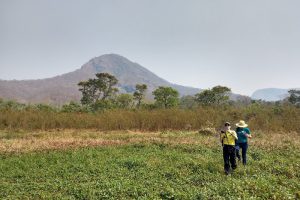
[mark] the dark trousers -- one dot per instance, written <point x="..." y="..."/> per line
<point x="229" y="157"/>
<point x="244" y="147"/>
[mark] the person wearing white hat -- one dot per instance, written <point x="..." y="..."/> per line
<point x="243" y="133"/>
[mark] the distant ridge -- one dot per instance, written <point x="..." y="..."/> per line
<point x="270" y="94"/>
<point x="61" y="89"/>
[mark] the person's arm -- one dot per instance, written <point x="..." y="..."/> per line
<point x="248" y="133"/>
<point x="234" y="135"/>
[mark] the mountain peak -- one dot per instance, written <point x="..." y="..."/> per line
<point x="107" y="62"/>
<point x="110" y="58"/>
<point x="63" y="88"/>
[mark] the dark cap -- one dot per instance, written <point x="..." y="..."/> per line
<point x="227" y="124"/>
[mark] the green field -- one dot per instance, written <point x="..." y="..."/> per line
<point x="166" y="165"/>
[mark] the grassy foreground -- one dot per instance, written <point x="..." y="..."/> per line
<point x="134" y="165"/>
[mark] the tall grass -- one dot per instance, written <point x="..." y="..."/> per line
<point x="265" y="118"/>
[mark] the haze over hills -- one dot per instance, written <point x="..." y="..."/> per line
<point x="61" y="89"/>
<point x="271" y="94"/>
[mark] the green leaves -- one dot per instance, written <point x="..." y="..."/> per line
<point x="294" y="97"/>
<point x="166" y="97"/>
<point x="125" y="101"/>
<point x="215" y="96"/>
<point x="139" y="94"/>
<point x="100" y="88"/>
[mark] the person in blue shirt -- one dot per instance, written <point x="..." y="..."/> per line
<point x="243" y="133"/>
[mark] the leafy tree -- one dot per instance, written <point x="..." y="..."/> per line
<point x="124" y="101"/>
<point x="139" y="94"/>
<point x="294" y="97"/>
<point x="100" y="88"/>
<point x="206" y="97"/>
<point x="106" y="83"/>
<point x="166" y="97"/>
<point x="215" y="96"/>
<point x="88" y="90"/>
<point x="188" y="102"/>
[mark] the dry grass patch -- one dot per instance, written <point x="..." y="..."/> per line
<point x="23" y="141"/>
<point x="276" y="140"/>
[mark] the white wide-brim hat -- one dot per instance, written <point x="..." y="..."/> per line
<point x="241" y="124"/>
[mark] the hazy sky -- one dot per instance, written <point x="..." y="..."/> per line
<point x="243" y="44"/>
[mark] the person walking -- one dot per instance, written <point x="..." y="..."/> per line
<point x="243" y="133"/>
<point x="228" y="138"/>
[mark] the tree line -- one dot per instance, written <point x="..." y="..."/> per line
<point x="101" y="93"/>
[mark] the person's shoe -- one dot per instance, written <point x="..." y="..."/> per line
<point x="226" y="173"/>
